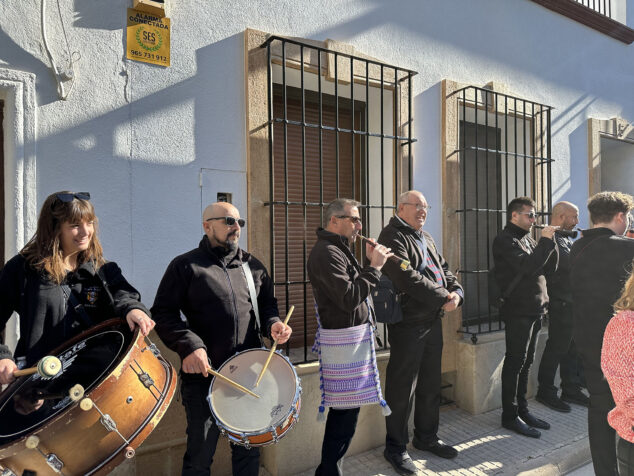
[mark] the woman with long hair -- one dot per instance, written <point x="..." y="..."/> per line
<point x="617" y="362"/>
<point x="60" y="284"/>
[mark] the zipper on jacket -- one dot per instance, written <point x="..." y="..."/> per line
<point x="235" y="306"/>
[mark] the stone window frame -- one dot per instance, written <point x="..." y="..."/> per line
<point x="615" y="128"/>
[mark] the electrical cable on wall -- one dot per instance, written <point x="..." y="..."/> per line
<point x="66" y="74"/>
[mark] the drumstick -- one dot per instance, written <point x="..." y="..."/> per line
<point x="268" y="359"/>
<point x="232" y="383"/>
<point x="402" y="263"/>
<point x="48" y="366"/>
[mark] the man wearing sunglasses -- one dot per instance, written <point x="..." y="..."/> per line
<point x="209" y="285"/>
<point x="522" y="261"/>
<point x="600" y="264"/>
<point x="428" y="289"/>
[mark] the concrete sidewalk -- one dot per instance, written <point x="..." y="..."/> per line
<point x="487" y="448"/>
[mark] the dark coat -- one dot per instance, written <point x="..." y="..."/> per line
<point x="340" y="285"/>
<point x="601" y="261"/>
<point x="516" y="252"/>
<point x="209" y="287"/>
<point x="423" y="296"/>
<point x="558" y="280"/>
<point x="45" y="318"/>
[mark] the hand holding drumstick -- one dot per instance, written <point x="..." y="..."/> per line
<point x="279" y="337"/>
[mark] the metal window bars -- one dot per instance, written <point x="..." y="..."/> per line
<point x="504" y="152"/>
<point x="339" y="126"/>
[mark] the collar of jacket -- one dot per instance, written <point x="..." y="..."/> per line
<point x="516" y="230"/>
<point x="339" y="241"/>
<point x="590" y="232"/>
<point x="403" y="226"/>
<point x="222" y="255"/>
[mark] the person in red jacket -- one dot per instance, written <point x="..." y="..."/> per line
<point x="617" y="358"/>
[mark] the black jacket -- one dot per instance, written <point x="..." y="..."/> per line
<point x="46" y="319"/>
<point x="558" y="281"/>
<point x="209" y="287"/>
<point x="423" y="296"/>
<point x="515" y="251"/>
<point x="339" y="284"/>
<point x="600" y="264"/>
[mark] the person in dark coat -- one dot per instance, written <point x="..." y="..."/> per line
<point x="600" y="263"/>
<point x="560" y="350"/>
<point x="208" y="285"/>
<point x="63" y="258"/>
<point x="518" y="257"/>
<point x="341" y="288"/>
<point x="413" y="377"/>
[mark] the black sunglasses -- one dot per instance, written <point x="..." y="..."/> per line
<point x="230" y="221"/>
<point x="69" y="197"/>
<point x="354" y="220"/>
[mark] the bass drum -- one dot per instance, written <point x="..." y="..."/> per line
<point x="112" y="390"/>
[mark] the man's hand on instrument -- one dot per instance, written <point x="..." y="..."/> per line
<point x="453" y="301"/>
<point x="280" y="332"/>
<point x="549" y="231"/>
<point x="377" y="254"/>
<point x="136" y="317"/>
<point x="7" y="367"/>
<point x="196" y="362"/>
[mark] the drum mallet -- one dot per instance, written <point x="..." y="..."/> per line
<point x="48" y="366"/>
<point x="232" y="383"/>
<point x="268" y="359"/>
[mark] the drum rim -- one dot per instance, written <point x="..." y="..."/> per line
<point x="278" y="423"/>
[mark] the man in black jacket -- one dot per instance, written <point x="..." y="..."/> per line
<point x="341" y="289"/>
<point x="414" y="370"/>
<point x="209" y="286"/>
<point x="601" y="262"/>
<point x="560" y="350"/>
<point x="519" y="258"/>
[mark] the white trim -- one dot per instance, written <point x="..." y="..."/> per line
<point x="17" y="89"/>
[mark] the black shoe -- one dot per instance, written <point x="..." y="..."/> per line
<point x="518" y="426"/>
<point x="401" y="462"/>
<point x="438" y="448"/>
<point x="577" y="397"/>
<point x="553" y="402"/>
<point x="533" y="421"/>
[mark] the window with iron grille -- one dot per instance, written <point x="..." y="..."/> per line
<point x="339" y="125"/>
<point x="502" y="151"/>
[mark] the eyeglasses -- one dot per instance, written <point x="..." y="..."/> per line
<point x="69" y="197"/>
<point x="230" y="221"/>
<point x="355" y="220"/>
<point x="419" y="208"/>
<point x="530" y="215"/>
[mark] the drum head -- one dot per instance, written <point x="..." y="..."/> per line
<point x="31" y="401"/>
<point x="242" y="413"/>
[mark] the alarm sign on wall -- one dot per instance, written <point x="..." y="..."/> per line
<point x="148" y="38"/>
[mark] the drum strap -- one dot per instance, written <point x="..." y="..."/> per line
<point x="78" y="307"/>
<point x="254" y="298"/>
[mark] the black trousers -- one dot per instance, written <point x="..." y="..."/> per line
<point x="413" y="379"/>
<point x="600" y="434"/>
<point x="340" y="427"/>
<point x="560" y="351"/>
<point x="625" y="457"/>
<point x="202" y="436"/>
<point x="521" y="338"/>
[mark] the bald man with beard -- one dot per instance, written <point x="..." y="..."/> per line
<point x="208" y="285"/>
<point x="560" y="350"/>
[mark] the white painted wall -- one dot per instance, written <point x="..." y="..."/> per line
<point x="137" y="136"/>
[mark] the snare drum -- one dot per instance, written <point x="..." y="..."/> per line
<point x="112" y="390"/>
<point x="250" y="421"/>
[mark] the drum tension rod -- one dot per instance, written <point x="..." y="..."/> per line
<point x="108" y="423"/>
<point x="146" y="380"/>
<point x="56" y="464"/>
<point x="152" y="348"/>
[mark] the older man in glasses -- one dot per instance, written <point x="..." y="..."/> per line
<point x="210" y="286"/>
<point x="413" y="372"/>
<point x="521" y="263"/>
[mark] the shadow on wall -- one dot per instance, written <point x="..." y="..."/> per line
<point x="100" y="15"/>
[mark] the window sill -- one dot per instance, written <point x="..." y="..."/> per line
<point x="589" y="17"/>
